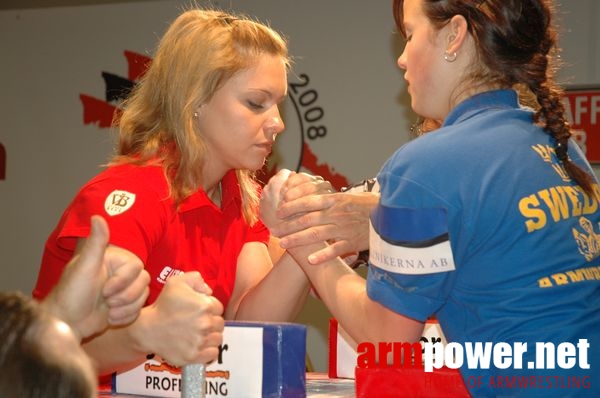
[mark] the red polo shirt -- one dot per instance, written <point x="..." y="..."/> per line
<point x="142" y="217"/>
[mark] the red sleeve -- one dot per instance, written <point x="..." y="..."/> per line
<point x="259" y="233"/>
<point x="135" y="216"/>
<point x="134" y="206"/>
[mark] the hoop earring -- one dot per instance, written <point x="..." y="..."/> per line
<point x="450" y="57"/>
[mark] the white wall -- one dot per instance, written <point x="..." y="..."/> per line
<point x="48" y="57"/>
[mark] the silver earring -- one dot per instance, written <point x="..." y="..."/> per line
<point x="195" y="114"/>
<point x="450" y="57"/>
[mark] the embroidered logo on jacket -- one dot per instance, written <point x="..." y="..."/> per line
<point x="118" y="202"/>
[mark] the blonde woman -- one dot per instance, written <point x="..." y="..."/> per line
<point x="180" y="193"/>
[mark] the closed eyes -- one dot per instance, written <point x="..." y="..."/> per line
<point x="254" y="105"/>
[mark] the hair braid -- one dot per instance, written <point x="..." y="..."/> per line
<point x="551" y="115"/>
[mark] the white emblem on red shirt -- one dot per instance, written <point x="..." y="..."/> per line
<point x="166" y="273"/>
<point x="118" y="202"/>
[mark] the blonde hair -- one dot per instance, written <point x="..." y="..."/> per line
<point x="199" y="52"/>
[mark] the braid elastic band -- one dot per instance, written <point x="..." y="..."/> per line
<point x="561" y="148"/>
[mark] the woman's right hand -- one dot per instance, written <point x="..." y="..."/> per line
<point x="185" y="324"/>
<point x="271" y="196"/>
<point x="341" y="219"/>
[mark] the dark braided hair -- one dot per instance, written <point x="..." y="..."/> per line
<point x="517" y="45"/>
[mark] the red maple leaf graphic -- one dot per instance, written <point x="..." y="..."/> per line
<point x="97" y="111"/>
<point x="311" y="163"/>
<point x="137" y="65"/>
<point x="101" y="112"/>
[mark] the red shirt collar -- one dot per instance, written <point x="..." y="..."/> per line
<point x="230" y="195"/>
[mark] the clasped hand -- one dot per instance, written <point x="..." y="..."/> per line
<point x="302" y="209"/>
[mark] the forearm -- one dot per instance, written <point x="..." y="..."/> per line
<point x="344" y="293"/>
<point x="84" y="317"/>
<point x="341" y="290"/>
<point x="280" y="295"/>
<point x="118" y="348"/>
<point x="53" y="307"/>
<point x="361" y="209"/>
